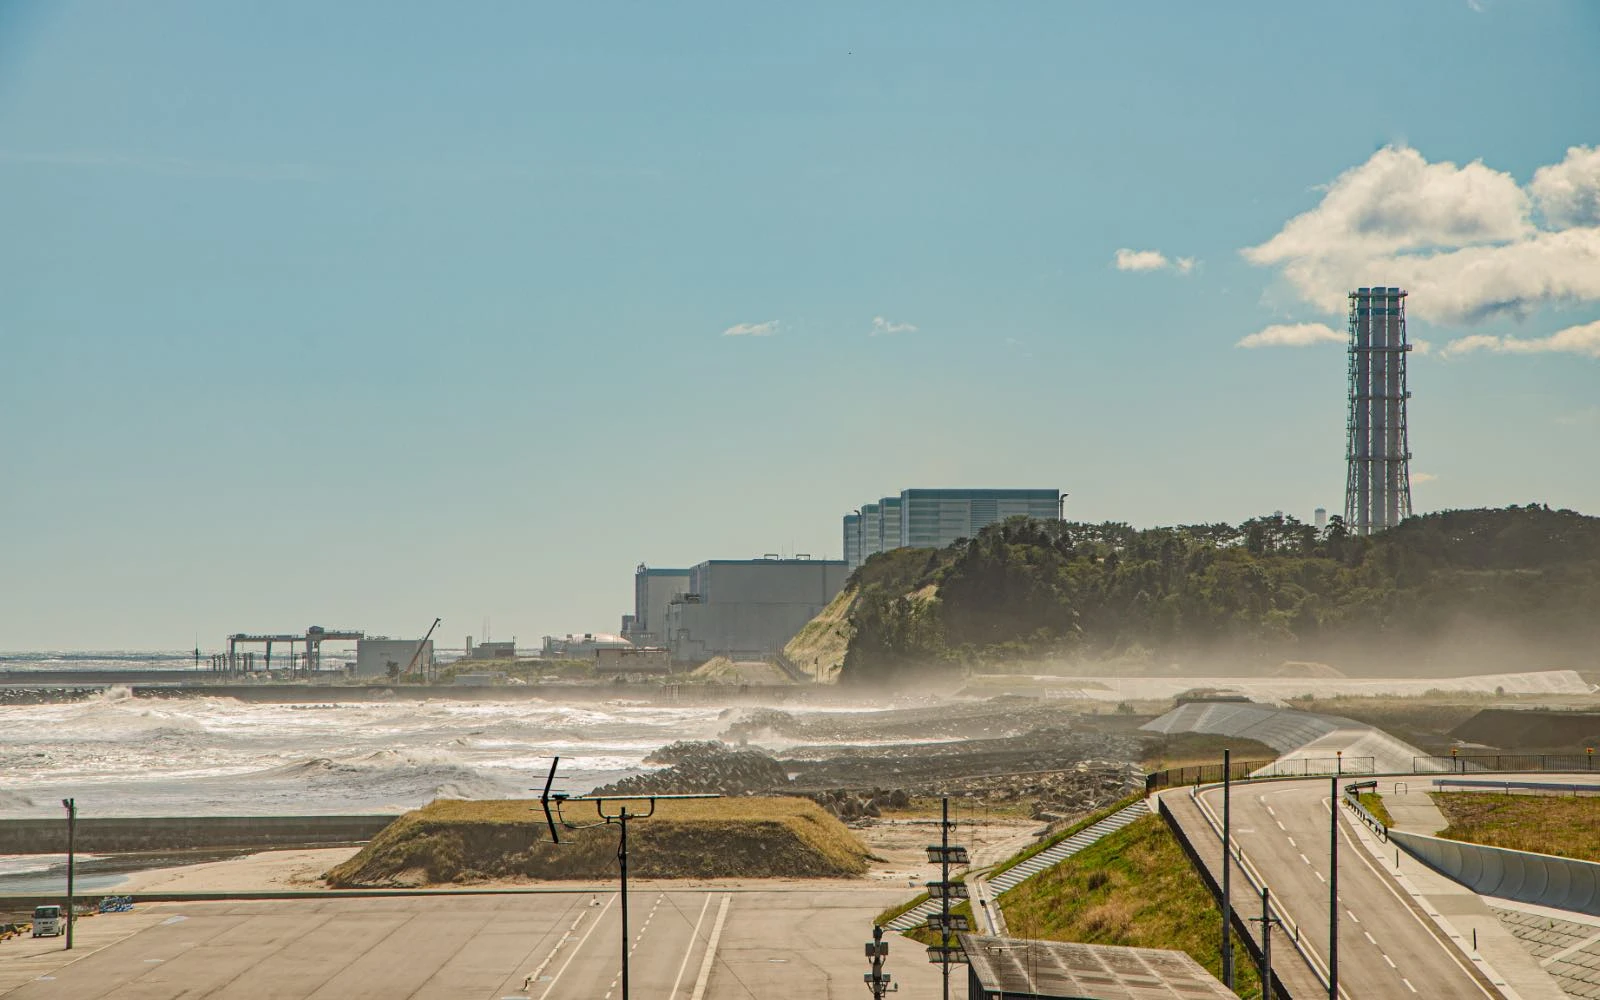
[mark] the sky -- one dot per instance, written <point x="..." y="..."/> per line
<point x="367" y="313"/>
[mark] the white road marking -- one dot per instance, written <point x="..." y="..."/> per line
<point x="1353" y="918"/>
<point x="694" y="936"/>
<point x="1318" y="875"/>
<point x="1270" y="810"/>
<point x="711" y="949"/>
<point x="581" y="942"/>
<point x="1305" y="859"/>
<point x="1408" y="985"/>
<point x="1292" y="843"/>
<point x="1281" y="826"/>
<point x="1386" y="958"/>
<point x="1370" y="938"/>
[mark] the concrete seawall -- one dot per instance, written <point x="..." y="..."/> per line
<point x="168" y="833"/>
<point x="1542" y="879"/>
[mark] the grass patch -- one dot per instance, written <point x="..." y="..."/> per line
<point x="1372" y="802"/>
<point x="882" y="919"/>
<point x="1060" y="835"/>
<point x="456" y="841"/>
<point x="1566" y="827"/>
<point x="1134" y="888"/>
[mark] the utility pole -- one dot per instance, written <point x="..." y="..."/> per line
<point x="1333" y="891"/>
<point x="945" y="854"/>
<point x="72" y="830"/>
<point x="1267" y="920"/>
<point x="877" y="980"/>
<point x="1227" y="871"/>
<point x="552" y="804"/>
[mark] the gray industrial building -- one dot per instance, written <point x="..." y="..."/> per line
<point x="933" y="518"/>
<point x="749" y="608"/>
<point x="373" y="656"/>
<point x="653" y="590"/>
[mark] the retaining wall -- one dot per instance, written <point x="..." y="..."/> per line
<point x="100" y="835"/>
<point x="1541" y="879"/>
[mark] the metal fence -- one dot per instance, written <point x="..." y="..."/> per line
<point x="1302" y="767"/>
<point x="1471" y="763"/>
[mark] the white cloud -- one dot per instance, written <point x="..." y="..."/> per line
<point x="1184" y="264"/>
<point x="1141" y="260"/>
<point x="1568" y="193"/>
<point x="1418" y="478"/>
<point x="1460" y="239"/>
<point x="1420" y="346"/>
<point x="1293" y="335"/>
<point x="1581" y="340"/>
<point x="766" y="329"/>
<point x="884" y="327"/>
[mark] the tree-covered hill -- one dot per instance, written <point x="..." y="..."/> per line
<point x="1449" y="593"/>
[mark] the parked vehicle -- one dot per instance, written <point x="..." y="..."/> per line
<point x="48" y="921"/>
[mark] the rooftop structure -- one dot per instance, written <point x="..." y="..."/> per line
<point x="1378" y="481"/>
<point x="1018" y="969"/>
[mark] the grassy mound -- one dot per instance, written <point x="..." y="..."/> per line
<point x="1134" y="887"/>
<point x="456" y="841"/>
<point x="1566" y="827"/>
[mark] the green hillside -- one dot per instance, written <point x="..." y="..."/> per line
<point x="1449" y="593"/>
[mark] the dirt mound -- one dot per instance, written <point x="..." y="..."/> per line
<point x="706" y="766"/>
<point x="464" y="842"/>
<point x="1531" y="729"/>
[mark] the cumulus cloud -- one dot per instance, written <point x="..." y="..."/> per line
<point x="1418" y="478"/>
<point x="1293" y="335"/>
<point x="1568" y="193"/>
<point x="885" y="327"/>
<point x="766" y="329"/>
<point x="1460" y="239"/>
<point x="1581" y="340"/>
<point x="1151" y="260"/>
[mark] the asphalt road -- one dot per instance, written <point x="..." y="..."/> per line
<point x="1387" y="946"/>
<point x="686" y="945"/>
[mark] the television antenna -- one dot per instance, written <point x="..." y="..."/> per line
<point x="609" y="810"/>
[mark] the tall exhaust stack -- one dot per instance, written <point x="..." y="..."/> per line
<point x="1377" y="492"/>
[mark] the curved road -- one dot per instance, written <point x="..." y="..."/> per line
<point x="1388" y="947"/>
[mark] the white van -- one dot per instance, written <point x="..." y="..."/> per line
<point x="48" y="921"/>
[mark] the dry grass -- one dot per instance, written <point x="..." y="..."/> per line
<point x="1567" y="827"/>
<point x="456" y="841"/>
<point x="1372" y="802"/>
<point x="1134" y="888"/>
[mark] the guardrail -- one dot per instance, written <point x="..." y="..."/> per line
<point x="1468" y="763"/>
<point x="1352" y="798"/>
<point x="1244" y="770"/>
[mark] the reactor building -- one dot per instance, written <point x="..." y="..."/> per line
<point x="1377" y="492"/>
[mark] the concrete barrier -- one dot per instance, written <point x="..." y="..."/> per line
<point x="105" y="835"/>
<point x="1542" y="879"/>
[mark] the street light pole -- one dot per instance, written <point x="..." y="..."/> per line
<point x="1333" y="890"/>
<point x="622" y="866"/>
<point x="72" y="830"/>
<point x="1227" y="872"/>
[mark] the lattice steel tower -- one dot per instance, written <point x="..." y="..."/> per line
<point x="1377" y="492"/>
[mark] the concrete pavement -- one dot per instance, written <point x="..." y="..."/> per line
<point x="687" y="945"/>
<point x="1389" y="946"/>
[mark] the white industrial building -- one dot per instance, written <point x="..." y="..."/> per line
<point x="653" y="589"/>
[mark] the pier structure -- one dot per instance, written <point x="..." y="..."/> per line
<point x="310" y="659"/>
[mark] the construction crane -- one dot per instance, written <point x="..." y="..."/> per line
<point x="420" y="646"/>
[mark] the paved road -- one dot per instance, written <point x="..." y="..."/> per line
<point x="1387" y="946"/>
<point x="687" y="945"/>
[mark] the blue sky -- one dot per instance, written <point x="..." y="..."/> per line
<point x="359" y="314"/>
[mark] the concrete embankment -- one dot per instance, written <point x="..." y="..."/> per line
<point x="109" y="835"/>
